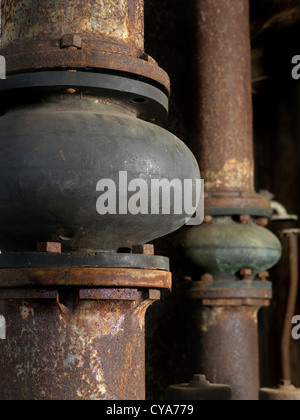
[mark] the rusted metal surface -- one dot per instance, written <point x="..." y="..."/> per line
<point x="244" y="294"/>
<point x="227" y="332"/>
<point x="228" y="347"/>
<point x="120" y="20"/>
<point x="292" y="235"/>
<point x="89" y="277"/>
<point x="98" y="34"/>
<point x="224" y="125"/>
<point x="71" y="348"/>
<point x="51" y="247"/>
<point x="285" y="392"/>
<point x="146" y="249"/>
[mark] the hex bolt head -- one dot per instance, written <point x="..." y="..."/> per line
<point x="147" y="249"/>
<point x="208" y="219"/>
<point x="152" y="294"/>
<point x="71" y="40"/>
<point x="263" y="276"/>
<point x="207" y="278"/>
<point x="245" y="218"/>
<point x="262" y="221"/>
<point x="246" y="273"/>
<point x="50" y="247"/>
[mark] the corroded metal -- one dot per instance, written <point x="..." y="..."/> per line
<point x="224" y="126"/>
<point x="227" y="332"/>
<point x="292" y="235"/>
<point x="72" y="344"/>
<point x="77" y="276"/>
<point x="98" y="34"/>
<point x="231" y="250"/>
<point x="228" y="345"/>
<point x="286" y="390"/>
<point x="226" y="249"/>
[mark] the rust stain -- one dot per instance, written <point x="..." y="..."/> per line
<point x="231" y="176"/>
<point x="210" y="317"/>
<point x="62" y="155"/>
<point x="140" y="312"/>
<point x="127" y="367"/>
<point x="76" y="276"/>
<point x="26" y="311"/>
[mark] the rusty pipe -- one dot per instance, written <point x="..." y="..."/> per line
<point x="292" y="235"/>
<point x="95" y="34"/>
<point x="286" y="391"/>
<point x="120" y="21"/>
<point x="232" y="333"/>
<point x="224" y="134"/>
<point x="228" y="299"/>
<point x="74" y="344"/>
<point x="227" y="333"/>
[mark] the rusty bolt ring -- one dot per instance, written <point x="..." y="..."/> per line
<point x="232" y="285"/>
<point x="101" y="260"/>
<point x="150" y="101"/>
<point x="85" y="277"/>
<point x="231" y="290"/>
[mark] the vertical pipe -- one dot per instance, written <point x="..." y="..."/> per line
<point x="229" y="348"/>
<point x="92" y="351"/>
<point x="229" y="297"/>
<point x="291" y="306"/>
<point x="224" y="121"/>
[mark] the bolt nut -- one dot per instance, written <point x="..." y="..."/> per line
<point x="147" y="249"/>
<point x="262" y="221"/>
<point x="264" y="275"/>
<point x="246" y="273"/>
<point x="245" y="218"/>
<point x="69" y="91"/>
<point x="208" y="219"/>
<point x="51" y="247"/>
<point x="71" y="40"/>
<point x="152" y="294"/>
<point x="207" y="278"/>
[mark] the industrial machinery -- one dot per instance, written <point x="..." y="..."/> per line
<point x="79" y="106"/>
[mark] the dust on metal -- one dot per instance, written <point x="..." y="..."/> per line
<point x="93" y="349"/>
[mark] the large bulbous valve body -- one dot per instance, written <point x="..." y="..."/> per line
<point x="57" y="151"/>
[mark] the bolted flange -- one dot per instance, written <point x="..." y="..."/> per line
<point x="227" y="249"/>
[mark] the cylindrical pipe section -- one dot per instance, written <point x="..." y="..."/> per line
<point x="291" y="306"/>
<point x="224" y="135"/>
<point x="228" y="348"/>
<point x="89" y="347"/>
<point x="77" y="34"/>
<point x="119" y="20"/>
